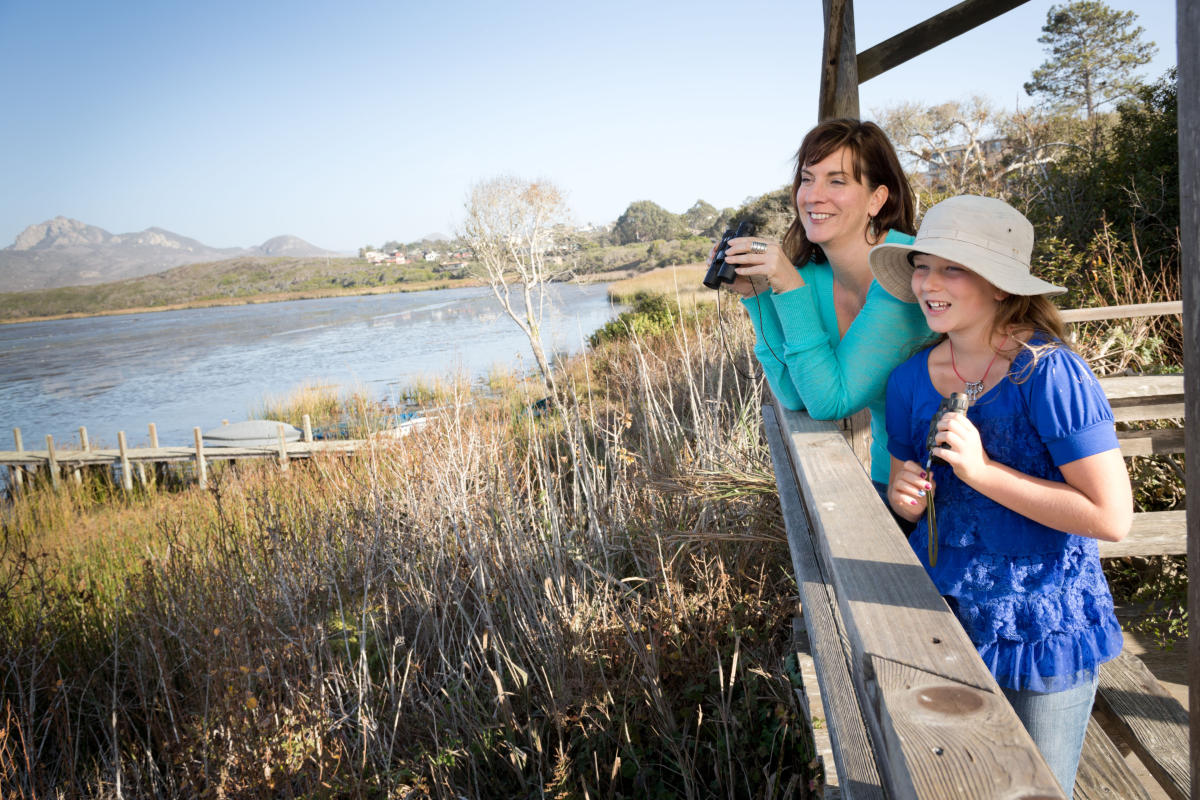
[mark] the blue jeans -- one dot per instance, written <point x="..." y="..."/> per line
<point x="1057" y="722"/>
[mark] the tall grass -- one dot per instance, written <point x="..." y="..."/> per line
<point x="590" y="602"/>
<point x="682" y="282"/>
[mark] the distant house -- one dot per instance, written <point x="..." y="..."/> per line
<point x="945" y="164"/>
<point x="374" y="256"/>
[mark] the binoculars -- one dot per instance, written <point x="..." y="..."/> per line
<point x="719" y="271"/>
<point x="954" y="403"/>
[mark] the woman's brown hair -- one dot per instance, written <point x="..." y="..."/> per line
<point x="874" y="163"/>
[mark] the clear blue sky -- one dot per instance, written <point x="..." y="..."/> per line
<point x="361" y="121"/>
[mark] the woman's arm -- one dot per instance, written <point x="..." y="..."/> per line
<point x="836" y="379"/>
<point x="1096" y="501"/>
<point x="768" y="348"/>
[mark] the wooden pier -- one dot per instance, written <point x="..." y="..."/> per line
<point x="130" y="463"/>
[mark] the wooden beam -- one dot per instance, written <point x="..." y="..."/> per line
<point x="929" y="34"/>
<point x="1187" y="46"/>
<point x="838" y="96"/>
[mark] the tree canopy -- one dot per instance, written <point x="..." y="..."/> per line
<point x="645" y="221"/>
<point x="1094" y="54"/>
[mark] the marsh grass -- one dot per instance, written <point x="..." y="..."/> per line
<point x="594" y="601"/>
<point x="682" y="283"/>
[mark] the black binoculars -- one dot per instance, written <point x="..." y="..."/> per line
<point x="954" y="403"/>
<point x="718" y="271"/>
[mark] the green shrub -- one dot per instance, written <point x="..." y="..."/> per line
<point x="651" y="314"/>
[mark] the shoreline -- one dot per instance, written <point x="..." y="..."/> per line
<point x="283" y="297"/>
<point x="257" y="299"/>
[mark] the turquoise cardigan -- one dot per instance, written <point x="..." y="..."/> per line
<point x="810" y="368"/>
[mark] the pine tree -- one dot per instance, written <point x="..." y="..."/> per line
<point x="1095" y="52"/>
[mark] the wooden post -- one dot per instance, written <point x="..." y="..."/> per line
<point x="18" y="472"/>
<point x="154" y="467"/>
<point x="51" y="461"/>
<point x="1187" y="32"/>
<point x="307" y="429"/>
<point x="283" y="455"/>
<point x="838" y="95"/>
<point x="126" y="475"/>
<point x="86" y="447"/>
<point x="201" y="469"/>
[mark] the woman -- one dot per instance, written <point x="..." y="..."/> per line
<point x="827" y="335"/>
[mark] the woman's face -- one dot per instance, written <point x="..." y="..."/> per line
<point x="835" y="207"/>
<point x="953" y="297"/>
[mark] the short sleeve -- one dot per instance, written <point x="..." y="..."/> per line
<point x="1068" y="407"/>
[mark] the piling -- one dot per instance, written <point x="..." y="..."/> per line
<point x="283" y="456"/>
<point x="85" y="446"/>
<point x="17" y="471"/>
<point x="201" y="468"/>
<point x="157" y="466"/>
<point x="126" y="475"/>
<point x="51" y="461"/>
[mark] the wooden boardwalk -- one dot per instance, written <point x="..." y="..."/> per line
<point x="128" y="462"/>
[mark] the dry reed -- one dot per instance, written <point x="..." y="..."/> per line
<point x="590" y="602"/>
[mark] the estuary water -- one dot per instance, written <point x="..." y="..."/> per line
<point x="197" y="367"/>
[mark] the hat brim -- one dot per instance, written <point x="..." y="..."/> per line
<point x="889" y="263"/>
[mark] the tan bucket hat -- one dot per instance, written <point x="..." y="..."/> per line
<point x="985" y="235"/>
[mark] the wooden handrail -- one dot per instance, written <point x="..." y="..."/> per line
<point x="1123" y="312"/>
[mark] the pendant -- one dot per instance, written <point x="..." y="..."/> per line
<point x="974" y="389"/>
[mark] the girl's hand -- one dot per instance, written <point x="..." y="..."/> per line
<point x="908" y="489"/>
<point x="771" y="264"/>
<point x="965" y="453"/>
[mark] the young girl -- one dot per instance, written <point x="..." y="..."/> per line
<point x="1028" y="479"/>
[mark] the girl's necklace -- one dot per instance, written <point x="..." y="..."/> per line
<point x="974" y="388"/>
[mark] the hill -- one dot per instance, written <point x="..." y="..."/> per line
<point x="229" y="281"/>
<point x="67" y="252"/>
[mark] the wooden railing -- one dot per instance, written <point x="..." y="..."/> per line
<point x="910" y="708"/>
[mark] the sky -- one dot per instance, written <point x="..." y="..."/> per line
<point x="363" y="121"/>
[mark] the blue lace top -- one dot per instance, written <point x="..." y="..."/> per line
<point x="1033" y="599"/>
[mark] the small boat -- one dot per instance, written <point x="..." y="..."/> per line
<point x="250" y="433"/>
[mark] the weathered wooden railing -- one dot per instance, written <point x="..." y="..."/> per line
<point x="910" y="708"/>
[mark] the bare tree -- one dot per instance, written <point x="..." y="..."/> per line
<point x="515" y="229"/>
<point x="953" y="145"/>
<point x="973" y="147"/>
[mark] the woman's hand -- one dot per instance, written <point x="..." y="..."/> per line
<point x="965" y="453"/>
<point x="745" y="286"/>
<point x="908" y="487"/>
<point x="770" y="264"/>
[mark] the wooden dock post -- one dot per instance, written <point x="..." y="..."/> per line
<point x="154" y="469"/>
<point x="51" y="461"/>
<point x="283" y="456"/>
<point x="17" y="471"/>
<point x="126" y="475"/>
<point x="85" y="446"/>
<point x="201" y="469"/>
<point x="307" y="423"/>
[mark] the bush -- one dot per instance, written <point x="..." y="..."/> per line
<point x="651" y="315"/>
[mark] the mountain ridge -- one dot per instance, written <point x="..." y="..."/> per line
<point x="66" y="252"/>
